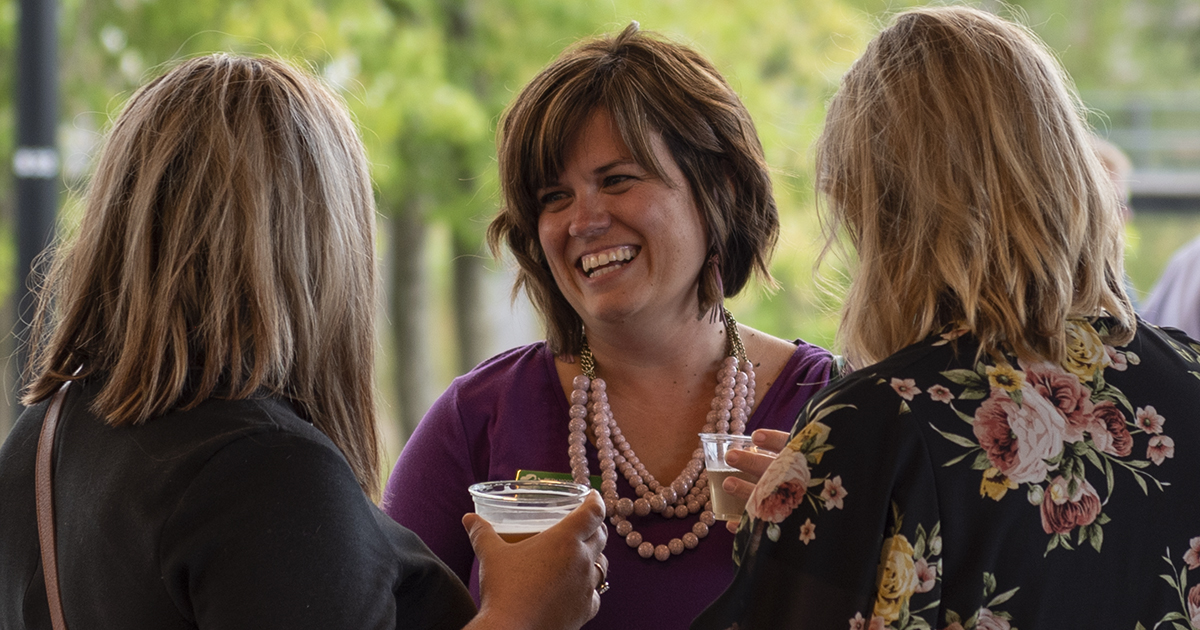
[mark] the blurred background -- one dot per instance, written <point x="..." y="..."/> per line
<point x="427" y="80"/>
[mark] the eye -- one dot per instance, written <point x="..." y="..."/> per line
<point x="617" y="180"/>
<point x="551" y="197"/>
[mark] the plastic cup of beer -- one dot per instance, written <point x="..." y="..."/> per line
<point x="724" y="506"/>
<point x="522" y="508"/>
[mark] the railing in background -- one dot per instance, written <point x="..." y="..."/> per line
<point x="1160" y="131"/>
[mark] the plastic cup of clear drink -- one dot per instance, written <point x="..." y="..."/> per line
<point x="725" y="506"/>
<point x="520" y="509"/>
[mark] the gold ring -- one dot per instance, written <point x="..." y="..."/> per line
<point x="602" y="585"/>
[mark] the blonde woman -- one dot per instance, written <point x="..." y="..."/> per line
<point x="1014" y="448"/>
<point x="216" y="455"/>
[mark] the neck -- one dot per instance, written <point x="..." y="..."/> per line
<point x="632" y="352"/>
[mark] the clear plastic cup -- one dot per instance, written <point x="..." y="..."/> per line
<point x="725" y="506"/>
<point x="520" y="509"/>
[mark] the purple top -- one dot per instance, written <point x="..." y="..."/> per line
<point x="510" y="413"/>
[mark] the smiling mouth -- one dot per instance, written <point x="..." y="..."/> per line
<point x="607" y="261"/>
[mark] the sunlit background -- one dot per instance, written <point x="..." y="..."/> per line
<point x="427" y="80"/>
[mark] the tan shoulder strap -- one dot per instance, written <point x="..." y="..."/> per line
<point x="45" y="505"/>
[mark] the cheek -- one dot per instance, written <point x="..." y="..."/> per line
<point x="551" y="241"/>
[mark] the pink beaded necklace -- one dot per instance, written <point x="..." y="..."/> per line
<point x="688" y="493"/>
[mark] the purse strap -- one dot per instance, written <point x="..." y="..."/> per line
<point x="44" y="484"/>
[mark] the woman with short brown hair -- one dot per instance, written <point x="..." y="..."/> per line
<point x="636" y="199"/>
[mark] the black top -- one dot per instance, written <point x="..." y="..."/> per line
<point x="234" y="514"/>
<point x="935" y="490"/>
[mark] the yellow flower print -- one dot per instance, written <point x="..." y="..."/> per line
<point x="1004" y="377"/>
<point x="995" y="484"/>
<point x="898" y="578"/>
<point x="1085" y="351"/>
<point x="813" y="435"/>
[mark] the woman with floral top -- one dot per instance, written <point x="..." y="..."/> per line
<point x="1015" y="449"/>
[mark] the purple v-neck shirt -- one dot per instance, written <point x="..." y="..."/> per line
<point x="510" y="413"/>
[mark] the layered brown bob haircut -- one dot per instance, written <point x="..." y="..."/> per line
<point x="649" y="86"/>
<point x="957" y="158"/>
<point x="226" y="249"/>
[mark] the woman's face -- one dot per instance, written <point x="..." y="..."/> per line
<point x="621" y="243"/>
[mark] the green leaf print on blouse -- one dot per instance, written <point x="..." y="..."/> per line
<point x="1189" y="598"/>
<point x="1047" y="426"/>
<point x="987" y="617"/>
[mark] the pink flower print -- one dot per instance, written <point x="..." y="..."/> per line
<point x="1149" y="420"/>
<point x="808" y="531"/>
<point x="1161" y="447"/>
<point x="940" y="394"/>
<point x="1019" y="438"/>
<point x="781" y="488"/>
<point x="833" y="493"/>
<point x="1192" y="557"/>
<point x="878" y="623"/>
<point x="1193" y="604"/>
<point x="1062" y="511"/>
<point x="988" y="621"/>
<point x="926" y="575"/>
<point x="1111" y="435"/>
<point x="1117" y="359"/>
<point x="1064" y="390"/>
<point x="907" y="388"/>
<point x="858" y="623"/>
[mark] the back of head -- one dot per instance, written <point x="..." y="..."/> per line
<point x="957" y="158"/>
<point x="648" y="85"/>
<point x="226" y="248"/>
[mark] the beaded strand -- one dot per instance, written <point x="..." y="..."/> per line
<point x="688" y="493"/>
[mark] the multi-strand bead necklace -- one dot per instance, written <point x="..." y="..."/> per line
<point x="689" y="492"/>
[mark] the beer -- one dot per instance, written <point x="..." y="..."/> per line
<point x="724" y="506"/>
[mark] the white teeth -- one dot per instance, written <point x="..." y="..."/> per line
<point x="592" y="261"/>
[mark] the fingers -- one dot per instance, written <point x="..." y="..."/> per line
<point x="587" y="520"/>
<point x="739" y="488"/>
<point x="770" y="439"/>
<point x="732" y="525"/>
<point x="479" y="531"/>
<point x="753" y="463"/>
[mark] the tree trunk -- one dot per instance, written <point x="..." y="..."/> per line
<point x="409" y="308"/>
<point x="470" y="317"/>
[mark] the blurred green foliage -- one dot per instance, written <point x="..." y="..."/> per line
<point x="427" y="80"/>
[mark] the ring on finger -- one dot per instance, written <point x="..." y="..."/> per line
<point x="602" y="585"/>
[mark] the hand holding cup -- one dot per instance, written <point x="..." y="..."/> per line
<point x="545" y="581"/>
<point x="752" y="464"/>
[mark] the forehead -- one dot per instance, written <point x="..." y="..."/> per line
<point x="597" y="140"/>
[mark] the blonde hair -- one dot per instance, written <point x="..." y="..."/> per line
<point x="226" y="248"/>
<point x="957" y="158"/>
<point x="648" y="85"/>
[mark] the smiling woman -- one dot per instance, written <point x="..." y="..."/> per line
<point x="636" y="198"/>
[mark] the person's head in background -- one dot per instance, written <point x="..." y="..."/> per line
<point x="226" y="248"/>
<point x="957" y="159"/>
<point x="1119" y="169"/>
<point x="648" y="86"/>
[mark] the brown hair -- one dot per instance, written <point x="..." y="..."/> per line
<point x="957" y="157"/>
<point x="226" y="247"/>
<point x="648" y="86"/>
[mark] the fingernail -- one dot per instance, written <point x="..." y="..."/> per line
<point x="732" y="457"/>
<point x="758" y="438"/>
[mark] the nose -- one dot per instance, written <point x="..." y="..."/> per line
<point x="589" y="218"/>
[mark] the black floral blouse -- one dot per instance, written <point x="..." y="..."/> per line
<point x="934" y="491"/>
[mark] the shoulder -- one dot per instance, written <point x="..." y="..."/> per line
<point x="515" y="365"/>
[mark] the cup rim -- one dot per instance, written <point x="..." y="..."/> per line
<point x="733" y="437"/>
<point x="558" y="491"/>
